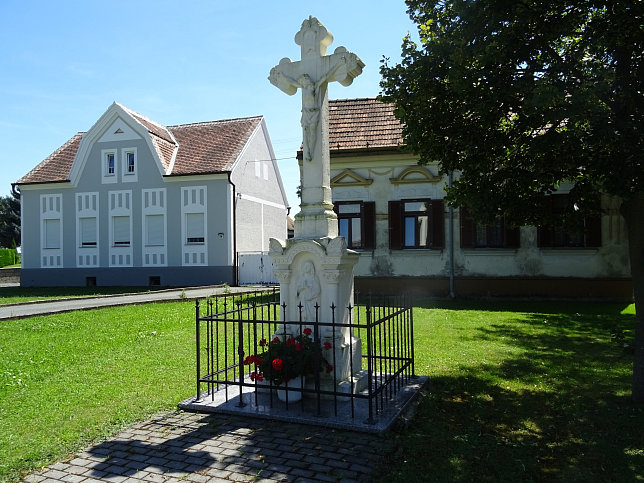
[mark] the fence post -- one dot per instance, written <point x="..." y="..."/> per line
<point x="240" y="351"/>
<point x="370" y="420"/>
<point x="198" y="348"/>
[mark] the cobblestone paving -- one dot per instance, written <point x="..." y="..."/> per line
<point x="187" y="447"/>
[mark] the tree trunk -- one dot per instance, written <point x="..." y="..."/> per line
<point x="633" y="212"/>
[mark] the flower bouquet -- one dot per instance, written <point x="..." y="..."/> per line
<point x="283" y="360"/>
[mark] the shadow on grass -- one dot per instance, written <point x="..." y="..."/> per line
<point x="558" y="411"/>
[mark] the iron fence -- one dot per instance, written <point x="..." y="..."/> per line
<point x="232" y="327"/>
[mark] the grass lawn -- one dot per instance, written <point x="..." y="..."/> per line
<point x="69" y="379"/>
<point x="15" y="295"/>
<point x="522" y="392"/>
<point x="519" y="391"/>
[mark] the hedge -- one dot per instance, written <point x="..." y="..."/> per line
<point x="8" y="256"/>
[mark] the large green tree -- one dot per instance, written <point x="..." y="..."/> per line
<point x="9" y="221"/>
<point x="518" y="97"/>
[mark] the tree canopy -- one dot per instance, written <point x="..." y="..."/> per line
<point x="523" y="97"/>
<point x="9" y="221"/>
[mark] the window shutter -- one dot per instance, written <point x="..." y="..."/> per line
<point x="52" y="233"/>
<point x="438" y="224"/>
<point x="195" y="225"/>
<point x="594" y="231"/>
<point x="395" y="225"/>
<point x="467" y="229"/>
<point x="88" y="231"/>
<point x="512" y="237"/>
<point x="121" y="230"/>
<point x="369" y="224"/>
<point x="154" y="227"/>
<point x="545" y="233"/>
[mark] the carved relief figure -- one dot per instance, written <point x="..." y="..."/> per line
<point x="308" y="291"/>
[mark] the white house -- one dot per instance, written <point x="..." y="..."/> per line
<point x="391" y="210"/>
<point x="133" y="202"/>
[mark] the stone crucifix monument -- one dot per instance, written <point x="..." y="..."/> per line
<point x="315" y="268"/>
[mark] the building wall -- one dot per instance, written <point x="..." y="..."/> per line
<point x="381" y="179"/>
<point x="261" y="204"/>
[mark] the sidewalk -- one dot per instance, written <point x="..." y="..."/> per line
<point x="29" y="309"/>
<point x="188" y="447"/>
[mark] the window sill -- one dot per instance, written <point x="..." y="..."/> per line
<point x="568" y="251"/>
<point x="486" y="252"/>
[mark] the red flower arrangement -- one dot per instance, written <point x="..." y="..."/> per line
<point x="284" y="360"/>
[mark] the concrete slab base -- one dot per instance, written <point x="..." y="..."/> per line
<point x="340" y="413"/>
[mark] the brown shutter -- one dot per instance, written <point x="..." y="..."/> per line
<point x="395" y="225"/>
<point x="467" y="229"/>
<point x="512" y="237"/>
<point x="593" y="231"/>
<point x="438" y="224"/>
<point x="369" y="225"/>
<point x="545" y="233"/>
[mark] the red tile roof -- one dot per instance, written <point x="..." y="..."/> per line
<point x="55" y="167"/>
<point x="209" y="147"/>
<point x="359" y="124"/>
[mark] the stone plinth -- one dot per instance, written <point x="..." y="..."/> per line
<point x="316" y="286"/>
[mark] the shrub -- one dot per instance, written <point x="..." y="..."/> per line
<point x="8" y="256"/>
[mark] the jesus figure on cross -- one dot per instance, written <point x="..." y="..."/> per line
<point x="311" y="103"/>
<point x="312" y="74"/>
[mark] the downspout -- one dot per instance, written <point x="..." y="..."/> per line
<point x="452" y="294"/>
<point x="235" y="267"/>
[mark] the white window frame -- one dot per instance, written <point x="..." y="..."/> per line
<point x="51" y="209"/>
<point x="129" y="176"/>
<point x="194" y="201"/>
<point x="154" y="202"/>
<point x="106" y="176"/>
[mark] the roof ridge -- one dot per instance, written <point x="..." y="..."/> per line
<point x="145" y="118"/>
<point x="356" y="99"/>
<point x="216" y="121"/>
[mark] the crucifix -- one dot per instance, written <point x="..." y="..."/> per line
<point x="312" y="74"/>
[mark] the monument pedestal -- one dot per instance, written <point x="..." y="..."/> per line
<point x="316" y="291"/>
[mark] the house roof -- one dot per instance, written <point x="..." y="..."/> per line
<point x="201" y="148"/>
<point x="361" y="124"/>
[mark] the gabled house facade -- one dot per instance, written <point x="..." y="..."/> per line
<point x="391" y="209"/>
<point x="134" y="202"/>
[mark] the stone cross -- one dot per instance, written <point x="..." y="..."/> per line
<point x="312" y="75"/>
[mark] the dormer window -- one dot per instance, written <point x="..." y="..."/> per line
<point x="129" y="160"/>
<point x="129" y="168"/>
<point x="110" y="164"/>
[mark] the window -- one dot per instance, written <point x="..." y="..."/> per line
<point x="129" y="163"/>
<point x="121" y="231"/>
<point x="110" y="164"/>
<point x="195" y="228"/>
<point x="418" y="223"/>
<point x="154" y="229"/>
<point x="52" y="233"/>
<point x="557" y="236"/>
<point x="87" y="232"/>
<point x="495" y="235"/>
<point x="357" y="223"/>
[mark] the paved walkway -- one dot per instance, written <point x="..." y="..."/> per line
<point x="180" y="447"/>
<point x="30" y="309"/>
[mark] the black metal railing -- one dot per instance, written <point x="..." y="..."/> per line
<point x="229" y="328"/>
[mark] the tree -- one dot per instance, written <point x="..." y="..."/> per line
<point x="519" y="96"/>
<point x="9" y="221"/>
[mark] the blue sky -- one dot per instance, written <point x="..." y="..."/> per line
<point x="63" y="63"/>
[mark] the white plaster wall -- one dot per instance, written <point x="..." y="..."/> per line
<point x="611" y="260"/>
